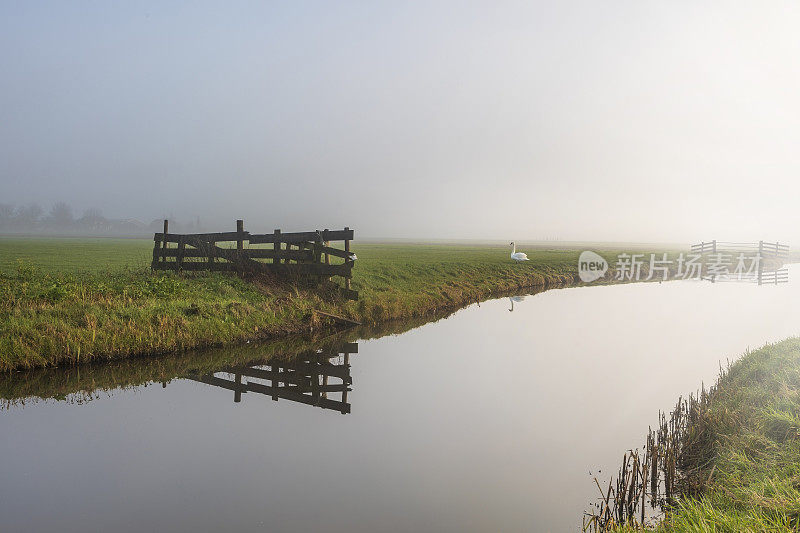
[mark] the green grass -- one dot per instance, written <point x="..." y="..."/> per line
<point x="65" y="301"/>
<point x="75" y="255"/>
<point x="750" y="436"/>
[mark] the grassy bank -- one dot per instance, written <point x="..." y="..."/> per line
<point x="80" y="383"/>
<point x="65" y="301"/>
<point x="741" y="455"/>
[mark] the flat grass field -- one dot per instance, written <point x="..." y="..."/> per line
<point x="92" y="255"/>
<point x="72" y="300"/>
<point x="74" y="255"/>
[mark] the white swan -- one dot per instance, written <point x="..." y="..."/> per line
<point x="518" y="256"/>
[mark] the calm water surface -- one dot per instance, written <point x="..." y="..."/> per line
<point x="489" y="420"/>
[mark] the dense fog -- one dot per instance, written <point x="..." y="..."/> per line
<point x="644" y="121"/>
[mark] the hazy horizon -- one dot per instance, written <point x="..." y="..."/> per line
<point x="626" y="122"/>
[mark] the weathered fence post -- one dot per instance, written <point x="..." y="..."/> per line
<point x="164" y="240"/>
<point x="276" y="379"/>
<point x="318" y="247"/>
<point x="316" y="251"/>
<point x="344" y="390"/>
<point x="276" y="247"/>
<point x="181" y="249"/>
<point x="237" y="393"/>
<point x="714" y="246"/>
<point x="240" y="246"/>
<point x="347" y="260"/>
<point x="327" y="255"/>
<point x="326" y="244"/>
<point x="314" y="381"/>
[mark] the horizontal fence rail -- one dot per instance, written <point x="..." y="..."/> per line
<point x="299" y="254"/>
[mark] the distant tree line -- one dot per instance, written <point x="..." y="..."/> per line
<point x="61" y="219"/>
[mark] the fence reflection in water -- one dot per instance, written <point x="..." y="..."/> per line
<point x="310" y="378"/>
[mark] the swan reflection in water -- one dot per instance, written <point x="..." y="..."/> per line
<point x="513" y="299"/>
<point x="308" y="378"/>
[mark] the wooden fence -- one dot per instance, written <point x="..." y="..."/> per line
<point x="769" y="272"/>
<point x="308" y="379"/>
<point x="764" y="249"/>
<point x="301" y="254"/>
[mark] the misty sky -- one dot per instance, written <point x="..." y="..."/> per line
<point x="665" y="121"/>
